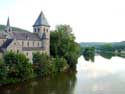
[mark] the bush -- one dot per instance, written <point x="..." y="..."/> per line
<point x="41" y="62"/>
<point x="3" y="72"/>
<point x="59" y="64"/>
<point x="18" y="65"/>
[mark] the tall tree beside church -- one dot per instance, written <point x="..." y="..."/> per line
<point x="62" y="44"/>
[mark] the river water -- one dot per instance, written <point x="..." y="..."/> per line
<point x="103" y="76"/>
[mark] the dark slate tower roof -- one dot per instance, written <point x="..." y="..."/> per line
<point x="41" y="20"/>
<point x="8" y="22"/>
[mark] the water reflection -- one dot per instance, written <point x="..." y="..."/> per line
<point x="104" y="76"/>
<point x="62" y="83"/>
<point x="109" y="55"/>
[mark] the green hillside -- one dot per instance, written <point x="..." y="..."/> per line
<point x="2" y="27"/>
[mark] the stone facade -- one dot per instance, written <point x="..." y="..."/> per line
<point x="27" y="42"/>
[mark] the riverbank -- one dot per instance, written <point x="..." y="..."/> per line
<point x="16" y="68"/>
<point x="104" y="76"/>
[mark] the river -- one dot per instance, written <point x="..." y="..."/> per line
<point x="103" y="76"/>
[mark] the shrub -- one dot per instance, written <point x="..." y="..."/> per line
<point x="59" y="64"/>
<point x="3" y="72"/>
<point x="18" y="65"/>
<point x="41" y="62"/>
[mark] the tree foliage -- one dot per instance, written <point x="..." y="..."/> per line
<point x="18" y="65"/>
<point x="41" y="63"/>
<point x="63" y="44"/>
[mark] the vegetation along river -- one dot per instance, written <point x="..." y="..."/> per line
<point x="103" y="76"/>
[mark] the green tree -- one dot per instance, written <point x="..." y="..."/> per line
<point x="18" y="65"/>
<point x="62" y="44"/>
<point x="41" y="63"/>
<point x="59" y="64"/>
<point x="3" y="72"/>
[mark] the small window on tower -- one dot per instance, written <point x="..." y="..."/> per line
<point x="44" y="29"/>
<point x="35" y="30"/>
<point x="38" y="30"/>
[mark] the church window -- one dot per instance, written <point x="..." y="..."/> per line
<point x="33" y="43"/>
<point x="35" y="30"/>
<point x="17" y="51"/>
<point x="27" y="53"/>
<point x="44" y="29"/>
<point x="38" y="43"/>
<point x="38" y="30"/>
<point x="27" y="43"/>
<point x="22" y="43"/>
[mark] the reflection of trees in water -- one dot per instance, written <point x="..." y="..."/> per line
<point x="62" y="83"/>
<point x="87" y="58"/>
<point x="89" y="53"/>
<point x="107" y="55"/>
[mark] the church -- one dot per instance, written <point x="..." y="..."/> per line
<point x="27" y="42"/>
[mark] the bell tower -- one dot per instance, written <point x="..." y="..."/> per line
<point x="42" y="28"/>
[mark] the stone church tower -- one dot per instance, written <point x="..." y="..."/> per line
<point x="42" y="28"/>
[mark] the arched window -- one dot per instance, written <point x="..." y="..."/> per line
<point x="38" y="44"/>
<point x="38" y="30"/>
<point x="27" y="53"/>
<point x="27" y="43"/>
<point x="22" y="43"/>
<point x="17" y="51"/>
<point x="33" y="43"/>
<point x="44" y="29"/>
<point x="35" y="30"/>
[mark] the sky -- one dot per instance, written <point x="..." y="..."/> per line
<point x="91" y="20"/>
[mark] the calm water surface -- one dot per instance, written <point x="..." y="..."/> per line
<point x="104" y="76"/>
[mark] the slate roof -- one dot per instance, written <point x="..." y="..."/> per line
<point x="41" y="20"/>
<point x="26" y="36"/>
<point x="8" y="22"/>
<point x="7" y="43"/>
<point x="32" y="48"/>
